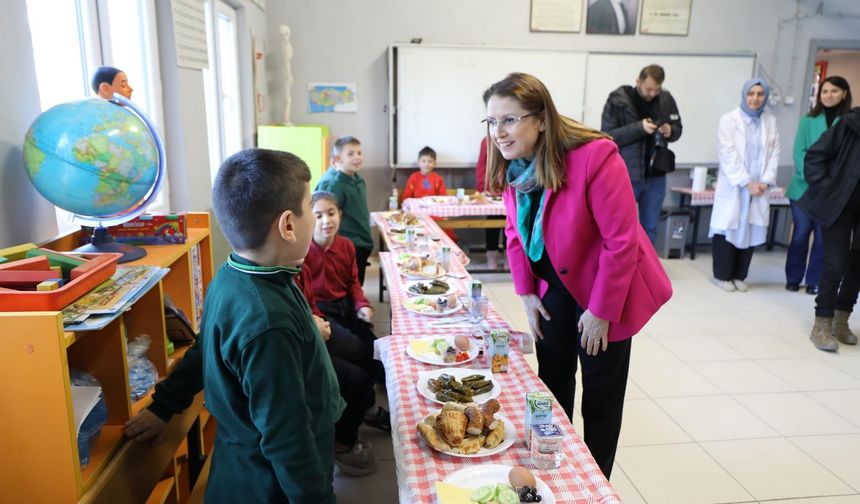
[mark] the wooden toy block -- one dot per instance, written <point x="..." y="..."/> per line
<point x="49" y="285"/>
<point x="16" y="252"/>
<point x="67" y="262"/>
<point x="93" y="263"/>
<point x="39" y="263"/>
<point x="25" y="279"/>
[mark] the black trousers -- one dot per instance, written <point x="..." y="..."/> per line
<point x="604" y="376"/>
<point x="491" y="235"/>
<point x="840" y="279"/>
<point x="356" y="388"/>
<point x="361" y="255"/>
<point x="351" y="338"/>
<point x="730" y="262"/>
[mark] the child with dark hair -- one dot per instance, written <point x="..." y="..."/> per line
<point x="268" y="378"/>
<point x="330" y="266"/>
<point x="351" y="194"/>
<point x="426" y="182"/>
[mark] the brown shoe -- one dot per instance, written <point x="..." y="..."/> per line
<point x="840" y="328"/>
<point x="822" y="335"/>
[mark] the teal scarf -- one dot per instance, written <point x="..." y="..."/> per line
<point x="521" y="176"/>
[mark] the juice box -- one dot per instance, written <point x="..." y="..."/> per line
<point x="538" y="411"/>
<point x="498" y="343"/>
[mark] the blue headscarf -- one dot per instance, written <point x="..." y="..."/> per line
<point x="754" y="113"/>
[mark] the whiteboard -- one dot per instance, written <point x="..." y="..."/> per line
<point x="438" y="93"/>
<point x="704" y="87"/>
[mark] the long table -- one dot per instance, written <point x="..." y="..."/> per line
<point x="458" y="215"/>
<point x="578" y="480"/>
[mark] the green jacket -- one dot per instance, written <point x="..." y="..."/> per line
<point x="809" y="131"/>
<point x="351" y="194"/>
<point x="270" y="384"/>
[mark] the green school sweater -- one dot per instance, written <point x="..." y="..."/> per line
<point x="351" y="194"/>
<point x="270" y="384"/>
<point x="809" y="131"/>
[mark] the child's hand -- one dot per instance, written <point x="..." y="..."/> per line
<point x="324" y="327"/>
<point x="145" y="425"/>
<point x="365" y="313"/>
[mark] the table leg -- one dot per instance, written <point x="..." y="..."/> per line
<point x="771" y="231"/>
<point x="381" y="273"/>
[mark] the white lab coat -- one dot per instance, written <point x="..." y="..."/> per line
<point x="733" y="171"/>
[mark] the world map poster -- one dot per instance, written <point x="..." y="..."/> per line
<point x="332" y="97"/>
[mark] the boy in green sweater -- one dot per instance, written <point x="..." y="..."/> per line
<point x="268" y="379"/>
<point x="351" y="193"/>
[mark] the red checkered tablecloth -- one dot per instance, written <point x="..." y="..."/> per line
<point x="578" y="481"/>
<point x="775" y="196"/>
<point x="447" y="206"/>
<point x="427" y="226"/>
<point x="404" y="321"/>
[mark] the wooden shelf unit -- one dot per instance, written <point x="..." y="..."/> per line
<point x="39" y="442"/>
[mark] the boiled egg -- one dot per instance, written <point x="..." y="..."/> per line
<point x="520" y="477"/>
<point x="462" y="342"/>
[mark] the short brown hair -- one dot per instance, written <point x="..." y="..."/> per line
<point x="253" y="187"/>
<point x="342" y="142"/>
<point x="427" y="151"/>
<point x="560" y="134"/>
<point x="656" y="72"/>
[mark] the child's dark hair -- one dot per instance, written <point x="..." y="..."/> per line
<point x="103" y="74"/>
<point x="324" y="196"/>
<point x="252" y="188"/>
<point x="342" y="142"/>
<point x="427" y="151"/>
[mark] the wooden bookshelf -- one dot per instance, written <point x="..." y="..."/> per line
<point x="39" y="442"/>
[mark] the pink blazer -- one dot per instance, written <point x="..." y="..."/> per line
<point x="595" y="243"/>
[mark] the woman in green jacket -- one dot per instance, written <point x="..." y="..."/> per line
<point x="834" y="100"/>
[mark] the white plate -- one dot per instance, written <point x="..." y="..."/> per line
<point x="510" y="437"/>
<point x="415" y="276"/>
<point x="432" y="358"/>
<point x="459" y="374"/>
<point x="408" y="285"/>
<point x="472" y="477"/>
<point x="411" y="307"/>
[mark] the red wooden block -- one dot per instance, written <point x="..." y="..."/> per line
<point x="25" y="279"/>
<point x="30" y="264"/>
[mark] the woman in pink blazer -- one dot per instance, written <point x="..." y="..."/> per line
<point x="578" y="256"/>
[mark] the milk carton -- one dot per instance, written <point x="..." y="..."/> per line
<point x="538" y="411"/>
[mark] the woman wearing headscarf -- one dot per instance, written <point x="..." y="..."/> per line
<point x="749" y="152"/>
<point x="832" y="170"/>
<point x="834" y="100"/>
<point x="578" y="256"/>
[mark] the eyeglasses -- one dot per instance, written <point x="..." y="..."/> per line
<point x="507" y="122"/>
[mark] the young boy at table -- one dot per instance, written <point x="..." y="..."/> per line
<point x="331" y="270"/>
<point x="268" y="378"/>
<point x="351" y="193"/>
<point x="426" y="182"/>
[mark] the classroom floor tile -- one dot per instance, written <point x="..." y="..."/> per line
<point x="646" y="424"/>
<point x="810" y="373"/>
<point x="741" y="377"/>
<point x="836" y="453"/>
<point x="775" y="469"/>
<point x="795" y="414"/>
<point x="671" y="379"/>
<point x="711" y="418"/>
<point x="678" y="474"/>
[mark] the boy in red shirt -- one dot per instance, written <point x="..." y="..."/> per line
<point x="426" y="182"/>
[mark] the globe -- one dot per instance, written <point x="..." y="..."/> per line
<point x="101" y="160"/>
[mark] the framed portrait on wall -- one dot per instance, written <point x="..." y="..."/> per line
<point x="556" y="16"/>
<point x="665" y="17"/>
<point x="612" y="17"/>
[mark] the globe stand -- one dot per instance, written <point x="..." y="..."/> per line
<point x="102" y="241"/>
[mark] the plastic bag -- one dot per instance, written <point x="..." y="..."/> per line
<point x="142" y="374"/>
<point x="92" y="424"/>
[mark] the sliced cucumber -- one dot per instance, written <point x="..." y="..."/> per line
<point x="506" y="495"/>
<point x="440" y="346"/>
<point x="483" y="494"/>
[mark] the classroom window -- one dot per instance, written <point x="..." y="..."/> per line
<point x="221" y="82"/>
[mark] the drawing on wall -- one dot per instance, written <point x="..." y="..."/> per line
<point x="332" y="97"/>
<point x="563" y="16"/>
<point x="665" y="17"/>
<point x="612" y="17"/>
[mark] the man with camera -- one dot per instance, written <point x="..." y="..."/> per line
<point x="642" y="120"/>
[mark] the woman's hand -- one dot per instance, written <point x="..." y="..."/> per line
<point x="324" y="327"/>
<point x="756" y="188"/>
<point x="534" y="308"/>
<point x="595" y="333"/>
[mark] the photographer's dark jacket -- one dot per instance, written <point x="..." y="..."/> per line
<point x="622" y="121"/>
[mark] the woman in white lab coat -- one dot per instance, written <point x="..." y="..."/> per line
<point x="749" y="152"/>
